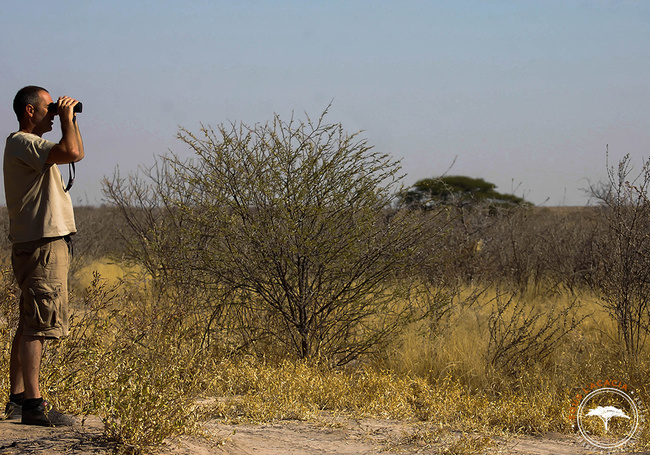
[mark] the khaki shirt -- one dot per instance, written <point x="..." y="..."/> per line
<point x="37" y="204"/>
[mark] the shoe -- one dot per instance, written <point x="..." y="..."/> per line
<point x="12" y="411"/>
<point x="45" y="416"/>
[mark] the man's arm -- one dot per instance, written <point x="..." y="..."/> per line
<point x="70" y="148"/>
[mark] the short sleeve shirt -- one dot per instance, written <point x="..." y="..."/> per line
<point x="37" y="204"/>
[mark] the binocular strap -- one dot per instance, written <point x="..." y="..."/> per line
<point x="71" y="172"/>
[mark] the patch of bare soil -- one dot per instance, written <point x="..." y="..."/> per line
<point x="85" y="438"/>
<point x="334" y="436"/>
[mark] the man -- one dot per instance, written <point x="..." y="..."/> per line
<point x="41" y="221"/>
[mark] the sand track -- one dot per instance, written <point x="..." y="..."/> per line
<point x="329" y="436"/>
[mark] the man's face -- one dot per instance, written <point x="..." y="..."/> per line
<point x="42" y="119"/>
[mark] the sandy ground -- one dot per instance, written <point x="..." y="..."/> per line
<point x="287" y="437"/>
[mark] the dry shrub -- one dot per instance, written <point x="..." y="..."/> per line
<point x="293" y="221"/>
<point x="146" y="402"/>
<point x="8" y="319"/>
<point x="523" y="335"/>
<point x="123" y="363"/>
<point x="622" y="274"/>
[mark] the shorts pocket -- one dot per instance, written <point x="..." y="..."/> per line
<point x="43" y="304"/>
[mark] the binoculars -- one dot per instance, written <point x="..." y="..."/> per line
<point x="53" y="108"/>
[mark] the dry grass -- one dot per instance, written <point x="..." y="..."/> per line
<point x="110" y="271"/>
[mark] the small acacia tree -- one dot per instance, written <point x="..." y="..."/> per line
<point x="294" y="219"/>
<point x="458" y="191"/>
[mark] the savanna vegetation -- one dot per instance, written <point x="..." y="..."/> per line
<point x="283" y="271"/>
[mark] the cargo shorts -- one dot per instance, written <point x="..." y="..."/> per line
<point x="41" y="269"/>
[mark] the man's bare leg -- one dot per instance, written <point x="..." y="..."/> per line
<point x="31" y="350"/>
<point x="15" y="368"/>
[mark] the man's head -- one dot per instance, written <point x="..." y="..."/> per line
<point x="30" y="106"/>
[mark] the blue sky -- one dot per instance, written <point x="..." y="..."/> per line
<point x="525" y="94"/>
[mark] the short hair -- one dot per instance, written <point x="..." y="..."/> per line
<point x="27" y="95"/>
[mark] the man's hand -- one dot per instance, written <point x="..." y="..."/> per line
<point x="65" y="108"/>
